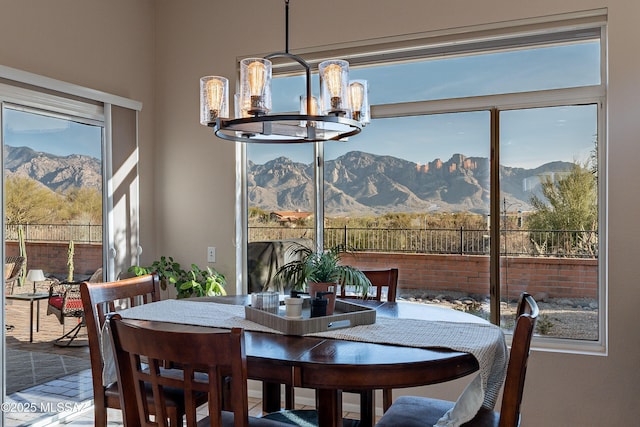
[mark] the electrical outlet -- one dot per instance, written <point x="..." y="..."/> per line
<point x="211" y="254"/>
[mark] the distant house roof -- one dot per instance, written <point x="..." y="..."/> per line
<point x="288" y="216"/>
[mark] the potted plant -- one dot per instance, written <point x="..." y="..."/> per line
<point x="319" y="271"/>
<point x="189" y="283"/>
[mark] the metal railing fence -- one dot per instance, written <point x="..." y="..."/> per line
<point x="513" y="242"/>
<point x="56" y="233"/>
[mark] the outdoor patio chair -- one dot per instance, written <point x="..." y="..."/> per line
<point x="411" y="411"/>
<point x="65" y="302"/>
<point x="219" y="353"/>
<point x="13" y="266"/>
<point x="98" y="300"/>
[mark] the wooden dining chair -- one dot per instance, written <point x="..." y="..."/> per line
<point x="98" y="300"/>
<point x="219" y="353"/>
<point x="409" y="411"/>
<point x="380" y="279"/>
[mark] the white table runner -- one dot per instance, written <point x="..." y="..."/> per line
<point x="483" y="340"/>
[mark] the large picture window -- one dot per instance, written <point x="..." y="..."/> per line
<point x="479" y="177"/>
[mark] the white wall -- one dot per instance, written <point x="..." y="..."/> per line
<point x="103" y="45"/>
<point x="155" y="52"/>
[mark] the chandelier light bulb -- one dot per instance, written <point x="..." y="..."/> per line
<point x="241" y="106"/>
<point x="215" y="92"/>
<point x="213" y="99"/>
<point x="255" y="75"/>
<point x="356" y="95"/>
<point x="359" y="101"/>
<point x="314" y="111"/>
<point x="314" y="106"/>
<point x="334" y="78"/>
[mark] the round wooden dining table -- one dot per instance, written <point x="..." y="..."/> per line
<point x="331" y="365"/>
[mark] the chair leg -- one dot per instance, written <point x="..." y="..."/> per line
<point x="387" y="399"/>
<point x="99" y="416"/>
<point x="71" y="335"/>
<point x="367" y="408"/>
<point x="226" y="395"/>
<point x="289" y="397"/>
<point x="175" y="418"/>
<point x="270" y="397"/>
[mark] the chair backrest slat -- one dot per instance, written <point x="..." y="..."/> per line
<point x="99" y="299"/>
<point x="379" y="279"/>
<point x="527" y="315"/>
<point x="219" y="353"/>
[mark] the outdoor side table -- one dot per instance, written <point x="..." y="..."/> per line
<point x="31" y="297"/>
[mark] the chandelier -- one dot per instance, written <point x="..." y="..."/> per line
<point x="341" y="111"/>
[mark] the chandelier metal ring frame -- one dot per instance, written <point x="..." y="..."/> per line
<point x="288" y="128"/>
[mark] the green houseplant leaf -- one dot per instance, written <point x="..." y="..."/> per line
<point x="195" y="282"/>
<point x="320" y="267"/>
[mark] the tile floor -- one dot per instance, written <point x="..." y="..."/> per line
<point x="67" y="401"/>
<point x="43" y="400"/>
<point x="50" y="403"/>
<point x="85" y="418"/>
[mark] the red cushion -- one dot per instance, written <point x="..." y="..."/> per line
<point x="74" y="304"/>
<point x="56" y="302"/>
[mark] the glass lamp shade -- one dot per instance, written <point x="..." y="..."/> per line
<point x="315" y="110"/>
<point x="334" y="83"/>
<point x="255" y="85"/>
<point x="241" y="107"/>
<point x="214" y="99"/>
<point x="359" y="101"/>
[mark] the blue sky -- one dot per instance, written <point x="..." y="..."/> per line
<point x="529" y="138"/>
<point x="51" y="135"/>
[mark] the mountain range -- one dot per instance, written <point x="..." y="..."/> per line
<point x="356" y="183"/>
<point x="364" y="184"/>
<point x="58" y="173"/>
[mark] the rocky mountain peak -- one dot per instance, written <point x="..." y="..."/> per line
<point x="364" y="184"/>
<point x="58" y="173"/>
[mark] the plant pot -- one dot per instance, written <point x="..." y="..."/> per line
<point x="324" y="287"/>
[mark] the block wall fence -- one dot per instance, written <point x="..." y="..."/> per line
<point x="469" y="274"/>
<point x="51" y="257"/>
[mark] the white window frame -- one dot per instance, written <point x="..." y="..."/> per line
<point x="31" y="92"/>
<point x="481" y="39"/>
